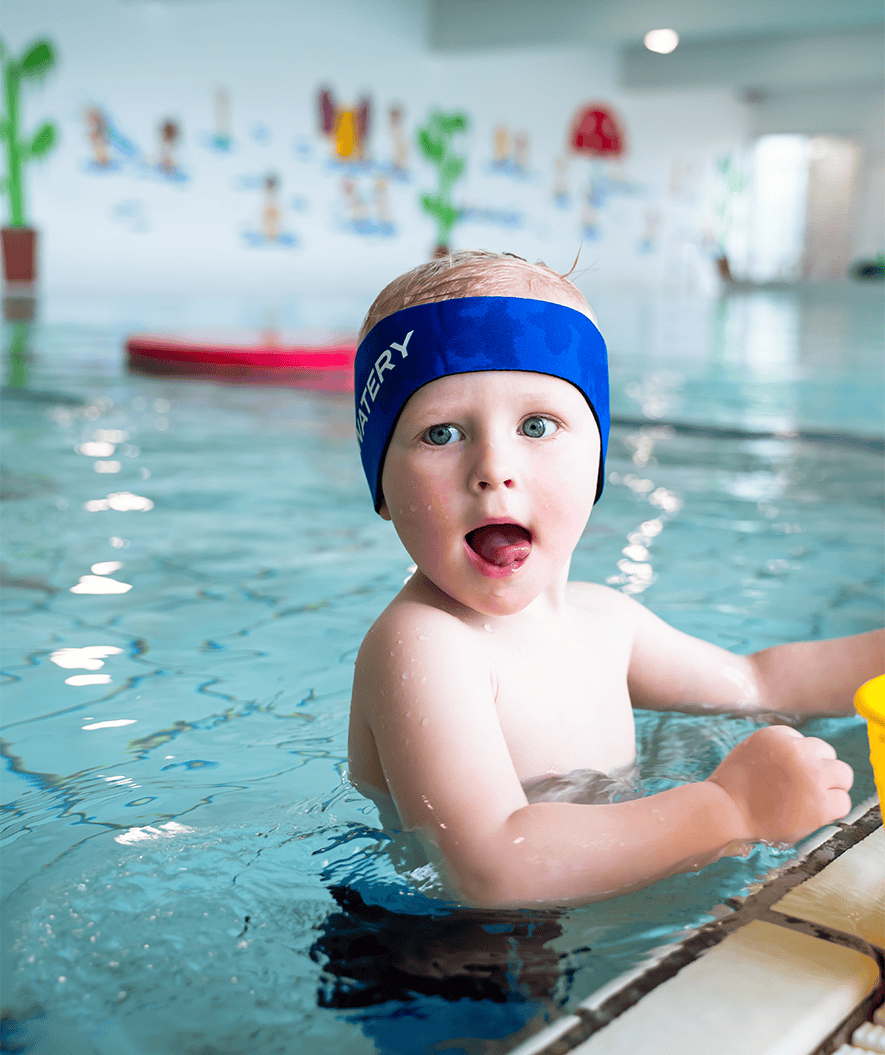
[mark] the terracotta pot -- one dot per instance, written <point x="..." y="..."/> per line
<point x="19" y="254"/>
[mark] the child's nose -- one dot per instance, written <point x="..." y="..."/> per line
<point x="493" y="470"/>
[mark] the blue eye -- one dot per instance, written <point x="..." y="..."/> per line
<point x="440" y="435"/>
<point x="537" y="427"/>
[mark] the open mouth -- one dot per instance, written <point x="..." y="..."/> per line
<point x="502" y="545"/>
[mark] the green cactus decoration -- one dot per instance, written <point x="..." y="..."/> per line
<point x="435" y="141"/>
<point x="34" y="64"/>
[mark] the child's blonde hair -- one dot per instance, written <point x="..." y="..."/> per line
<point x="471" y="273"/>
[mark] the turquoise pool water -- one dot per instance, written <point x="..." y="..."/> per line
<point x="189" y="569"/>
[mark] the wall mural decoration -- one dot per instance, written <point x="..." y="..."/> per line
<point x="399" y="160"/>
<point x="270" y="229"/>
<point x="19" y="238"/>
<point x="264" y="161"/>
<point x="597" y="134"/>
<point x="344" y="164"/>
<point x="435" y="140"/>
<point x="347" y="128"/>
<point x="222" y="139"/>
<point x="562" y="197"/>
<point x="510" y="151"/>
<point x="109" y="147"/>
<point x="364" y="201"/>
<point x="367" y="205"/>
<point x="169" y="133"/>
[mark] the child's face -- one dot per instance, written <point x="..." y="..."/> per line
<point x="489" y="480"/>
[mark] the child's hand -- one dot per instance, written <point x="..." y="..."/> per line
<point x="785" y="785"/>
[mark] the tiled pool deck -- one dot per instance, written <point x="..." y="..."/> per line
<point x="793" y="968"/>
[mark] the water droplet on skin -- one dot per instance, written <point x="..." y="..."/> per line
<point x="425" y="721"/>
<point x="404" y="676"/>
<point x="489" y="629"/>
<point x="412" y="509"/>
<point x="423" y="637"/>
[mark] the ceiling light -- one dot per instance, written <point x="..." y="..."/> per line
<point x="663" y="41"/>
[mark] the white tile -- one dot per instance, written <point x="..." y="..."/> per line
<point x="813" y="841"/>
<point x="849" y="894"/>
<point x="764" y="988"/>
<point x="860" y="809"/>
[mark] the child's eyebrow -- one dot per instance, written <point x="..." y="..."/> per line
<point x="445" y="410"/>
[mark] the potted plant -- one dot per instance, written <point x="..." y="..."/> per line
<point x="19" y="239"/>
<point x="435" y="141"/>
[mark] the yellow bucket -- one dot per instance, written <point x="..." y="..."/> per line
<point x="869" y="701"/>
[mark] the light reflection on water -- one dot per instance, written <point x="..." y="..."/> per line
<point x="179" y="833"/>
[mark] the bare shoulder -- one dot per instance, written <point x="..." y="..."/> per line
<point x="605" y="602"/>
<point x="412" y="644"/>
<point x="410" y="625"/>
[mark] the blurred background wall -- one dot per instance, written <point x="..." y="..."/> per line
<point x="272" y="145"/>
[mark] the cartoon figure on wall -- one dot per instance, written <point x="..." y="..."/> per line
<point x="347" y="129"/>
<point x="270" y="214"/>
<point x="109" y="148"/>
<point x="270" y="226"/>
<point x="597" y="133"/>
<point x="521" y="152"/>
<point x="170" y="135"/>
<point x="99" y="137"/>
<point x="357" y="209"/>
<point x="501" y="147"/>
<point x="562" y="197"/>
<point x="400" y="155"/>
<point x="382" y="203"/>
<point x="510" y="152"/>
<point x="367" y="207"/>
<point x="222" y="138"/>
<point x="435" y="141"/>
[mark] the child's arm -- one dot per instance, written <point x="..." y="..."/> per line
<point x="428" y="695"/>
<point x="670" y="670"/>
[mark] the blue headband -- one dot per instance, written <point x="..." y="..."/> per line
<point x="416" y="345"/>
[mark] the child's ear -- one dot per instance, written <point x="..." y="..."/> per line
<point x="383" y="511"/>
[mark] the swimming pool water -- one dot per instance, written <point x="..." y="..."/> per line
<point x="178" y="820"/>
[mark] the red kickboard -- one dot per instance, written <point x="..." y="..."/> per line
<point x="313" y="358"/>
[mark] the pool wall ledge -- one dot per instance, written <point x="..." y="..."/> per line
<point x="792" y="968"/>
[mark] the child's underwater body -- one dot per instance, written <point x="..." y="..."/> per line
<point x="484" y="443"/>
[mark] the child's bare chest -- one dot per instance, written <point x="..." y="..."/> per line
<point x="562" y="702"/>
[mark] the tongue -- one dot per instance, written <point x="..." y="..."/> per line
<point x="500" y="544"/>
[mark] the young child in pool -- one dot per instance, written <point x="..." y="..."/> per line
<point x="482" y="414"/>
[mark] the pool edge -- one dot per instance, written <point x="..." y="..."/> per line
<point x="628" y="990"/>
